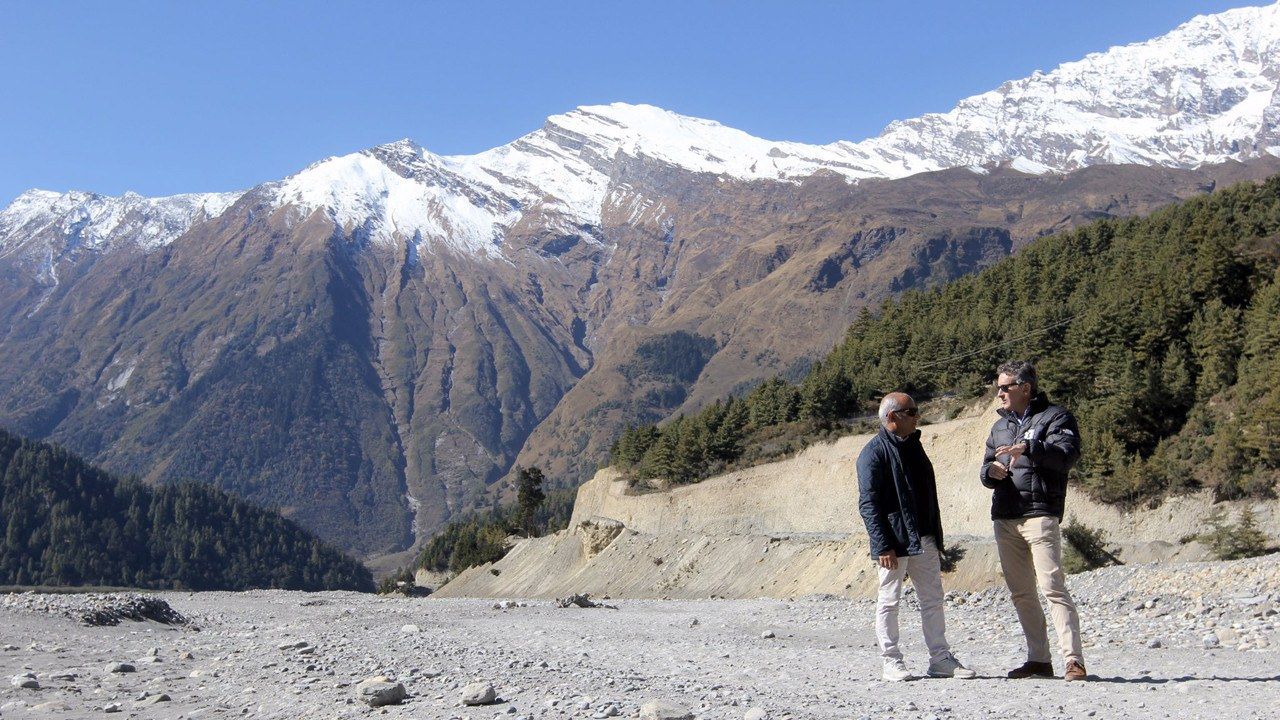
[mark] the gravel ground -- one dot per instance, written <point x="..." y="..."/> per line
<point x="1179" y="641"/>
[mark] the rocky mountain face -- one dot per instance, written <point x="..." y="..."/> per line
<point x="787" y="287"/>
<point x="372" y="342"/>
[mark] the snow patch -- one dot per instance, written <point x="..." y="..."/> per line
<point x="122" y="379"/>
<point x="40" y="228"/>
<point x="415" y="506"/>
<point x="1031" y="167"/>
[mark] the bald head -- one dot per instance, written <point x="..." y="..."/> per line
<point x="898" y="413"/>
<point x="894" y="401"/>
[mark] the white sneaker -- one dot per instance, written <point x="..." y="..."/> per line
<point x="948" y="666"/>
<point x="896" y="671"/>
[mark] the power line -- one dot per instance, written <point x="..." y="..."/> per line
<point x="1006" y="341"/>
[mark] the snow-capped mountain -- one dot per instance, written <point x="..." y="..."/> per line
<point x="40" y="228"/>
<point x="1204" y="93"/>
<point x="372" y="342"/>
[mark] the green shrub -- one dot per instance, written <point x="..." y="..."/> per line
<point x="951" y="557"/>
<point x="1228" y="541"/>
<point x="1085" y="548"/>
<point x="395" y="582"/>
<point x="481" y="538"/>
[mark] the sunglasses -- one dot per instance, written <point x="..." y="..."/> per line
<point x="909" y="412"/>
<point x="1005" y="388"/>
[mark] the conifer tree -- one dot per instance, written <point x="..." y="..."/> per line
<point x="529" y="496"/>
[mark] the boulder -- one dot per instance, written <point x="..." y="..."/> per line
<point x="380" y="690"/>
<point x="479" y="693"/>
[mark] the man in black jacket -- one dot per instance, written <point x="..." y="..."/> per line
<point x="1029" y="453"/>
<point x="898" y="500"/>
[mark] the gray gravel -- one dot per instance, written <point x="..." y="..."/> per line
<point x="275" y="654"/>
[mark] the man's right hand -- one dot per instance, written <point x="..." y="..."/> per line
<point x="889" y="560"/>
<point x="997" y="471"/>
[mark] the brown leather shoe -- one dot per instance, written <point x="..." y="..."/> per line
<point x="1032" y="669"/>
<point x="1075" y="671"/>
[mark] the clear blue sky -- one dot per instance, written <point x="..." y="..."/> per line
<point x="189" y="96"/>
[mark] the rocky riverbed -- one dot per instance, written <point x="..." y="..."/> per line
<point x="1176" y="640"/>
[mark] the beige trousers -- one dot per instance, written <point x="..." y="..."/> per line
<point x="1030" y="556"/>
<point x="925" y="570"/>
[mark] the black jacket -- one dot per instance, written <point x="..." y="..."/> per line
<point x="887" y="501"/>
<point x="1037" y="485"/>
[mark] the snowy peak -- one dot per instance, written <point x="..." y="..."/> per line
<point x="400" y="192"/>
<point x="693" y="144"/>
<point x="1203" y="93"/>
<point x="597" y="134"/>
<point x="51" y="224"/>
<point x="646" y="131"/>
<point x="567" y="166"/>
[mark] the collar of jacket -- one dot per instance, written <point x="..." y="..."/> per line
<point x="895" y="439"/>
<point x="1037" y="406"/>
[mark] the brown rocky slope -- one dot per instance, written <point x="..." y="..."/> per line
<point x="373" y="389"/>
<point x="774" y="274"/>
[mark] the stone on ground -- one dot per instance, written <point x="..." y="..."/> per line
<point x="479" y="693"/>
<point x="380" y="690"/>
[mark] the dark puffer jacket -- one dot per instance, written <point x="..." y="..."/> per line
<point x="1037" y="485"/>
<point x="887" y="500"/>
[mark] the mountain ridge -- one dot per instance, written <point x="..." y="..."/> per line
<point x="1201" y="94"/>
<point x="371" y="343"/>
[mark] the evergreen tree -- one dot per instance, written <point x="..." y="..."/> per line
<point x="529" y="496"/>
<point x="69" y="523"/>
<point x="1215" y="339"/>
<point x="631" y="446"/>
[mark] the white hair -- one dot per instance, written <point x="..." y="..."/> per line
<point x="889" y="404"/>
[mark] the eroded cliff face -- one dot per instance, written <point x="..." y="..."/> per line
<point x="792" y="528"/>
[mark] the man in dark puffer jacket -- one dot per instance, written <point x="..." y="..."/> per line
<point x="898" y="500"/>
<point x="1029" y="453"/>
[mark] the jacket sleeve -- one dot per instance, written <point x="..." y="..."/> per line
<point x="1059" y="449"/>
<point x="987" y="458"/>
<point x="870" y="502"/>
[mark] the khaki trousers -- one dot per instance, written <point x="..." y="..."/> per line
<point x="1030" y="556"/>
<point x="925" y="571"/>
